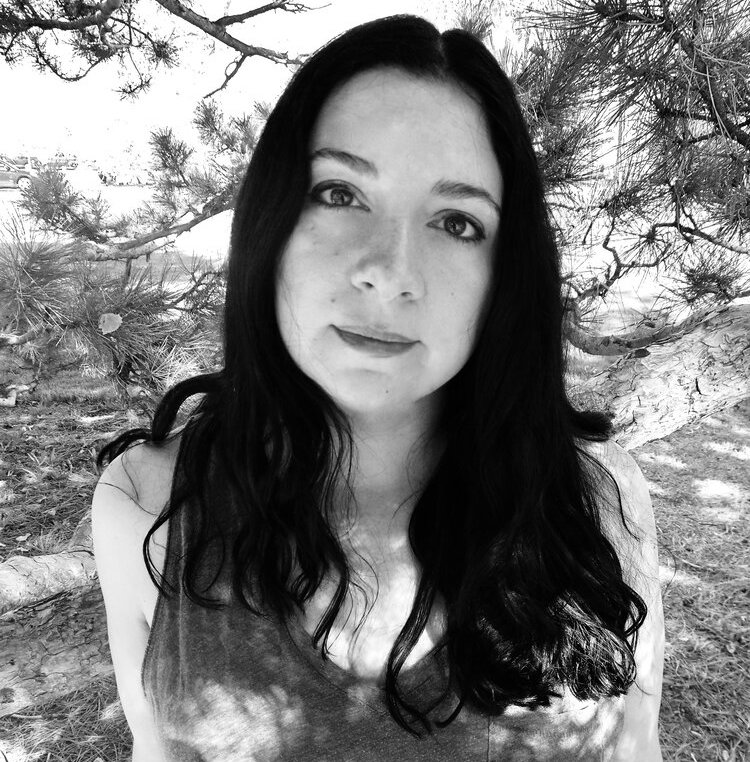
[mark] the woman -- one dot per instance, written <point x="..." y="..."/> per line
<point x="384" y="531"/>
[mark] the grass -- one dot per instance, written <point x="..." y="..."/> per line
<point x="700" y="485"/>
<point x="87" y="725"/>
<point x="47" y="448"/>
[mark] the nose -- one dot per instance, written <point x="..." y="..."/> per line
<point x="388" y="262"/>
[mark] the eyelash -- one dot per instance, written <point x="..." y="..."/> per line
<point x="478" y="235"/>
<point x="319" y="189"/>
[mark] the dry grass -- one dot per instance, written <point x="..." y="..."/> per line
<point x="85" y="726"/>
<point x="700" y="484"/>
<point x="47" y="448"/>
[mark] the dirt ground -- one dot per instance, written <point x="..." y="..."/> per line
<point x="699" y="478"/>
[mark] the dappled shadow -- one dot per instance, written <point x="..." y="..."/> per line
<point x="703" y="466"/>
<point x="699" y="482"/>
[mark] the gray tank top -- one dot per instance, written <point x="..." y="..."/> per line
<point x="225" y="685"/>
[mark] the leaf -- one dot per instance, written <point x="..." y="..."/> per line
<point x="23" y="537"/>
<point x="109" y="322"/>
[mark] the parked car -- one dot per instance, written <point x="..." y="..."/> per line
<point x="13" y="177"/>
<point x="62" y="161"/>
<point x="24" y="161"/>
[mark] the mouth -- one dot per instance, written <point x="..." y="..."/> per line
<point x="374" y="334"/>
<point x="374" y="347"/>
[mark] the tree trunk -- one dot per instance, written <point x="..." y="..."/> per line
<point x="655" y="391"/>
<point x="53" y="633"/>
<point x="52" y="647"/>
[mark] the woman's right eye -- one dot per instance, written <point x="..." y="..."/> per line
<point x="334" y="195"/>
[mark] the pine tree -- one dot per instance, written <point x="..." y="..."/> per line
<point x="663" y="84"/>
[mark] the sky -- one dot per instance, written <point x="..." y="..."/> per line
<point x="45" y="114"/>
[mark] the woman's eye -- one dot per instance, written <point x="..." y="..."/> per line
<point x="334" y="195"/>
<point x="462" y="228"/>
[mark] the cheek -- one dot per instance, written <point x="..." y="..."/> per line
<point x="313" y="252"/>
<point x="305" y="274"/>
<point x="298" y="263"/>
<point x="464" y="302"/>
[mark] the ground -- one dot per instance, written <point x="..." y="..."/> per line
<point x="699" y="478"/>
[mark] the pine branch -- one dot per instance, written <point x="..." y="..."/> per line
<point x="51" y="64"/>
<point x="171" y="232"/>
<point x="613" y="345"/>
<point x="687" y="231"/>
<point x="100" y="35"/>
<point x="97" y="252"/>
<point x="103" y="250"/>
<point x="13" y="339"/>
<point x="283" y="5"/>
<point x="11" y="23"/>
<point x="219" y="33"/>
<point x="229" y="73"/>
<point x="707" y="85"/>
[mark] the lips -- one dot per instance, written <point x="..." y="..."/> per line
<point x="374" y="348"/>
<point x="375" y="333"/>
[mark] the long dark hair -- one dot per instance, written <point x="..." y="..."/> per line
<point x="508" y="527"/>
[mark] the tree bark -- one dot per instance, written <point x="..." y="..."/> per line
<point x="52" y="647"/>
<point x="53" y="632"/>
<point x="654" y="391"/>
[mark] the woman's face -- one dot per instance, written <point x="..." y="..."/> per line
<point x="397" y="235"/>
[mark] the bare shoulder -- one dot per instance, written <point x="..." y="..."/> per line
<point x="144" y="473"/>
<point x="131" y="493"/>
<point x="129" y="496"/>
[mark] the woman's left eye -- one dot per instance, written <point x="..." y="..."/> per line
<point x="462" y="228"/>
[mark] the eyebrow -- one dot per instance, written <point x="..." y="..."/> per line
<point x="453" y="189"/>
<point x="449" y="188"/>
<point x="357" y="163"/>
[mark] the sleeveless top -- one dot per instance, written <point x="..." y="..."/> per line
<point x="226" y="685"/>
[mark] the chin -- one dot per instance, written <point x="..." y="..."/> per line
<point x="362" y="402"/>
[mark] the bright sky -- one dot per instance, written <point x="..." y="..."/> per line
<point x="86" y="118"/>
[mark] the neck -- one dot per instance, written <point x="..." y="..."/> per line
<point x="388" y="476"/>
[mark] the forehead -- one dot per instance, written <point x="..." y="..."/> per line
<point x="400" y="121"/>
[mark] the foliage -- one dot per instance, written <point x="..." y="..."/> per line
<point x="167" y="325"/>
<point x="669" y="82"/>
<point x="94" y="33"/>
<point x="639" y="113"/>
<point x="72" y="37"/>
<point x="168" y="331"/>
<point x="51" y="200"/>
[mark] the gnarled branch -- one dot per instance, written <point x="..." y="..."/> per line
<point x="614" y="345"/>
<point x="276" y="5"/>
<point x="220" y="33"/>
<point x="98" y="18"/>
